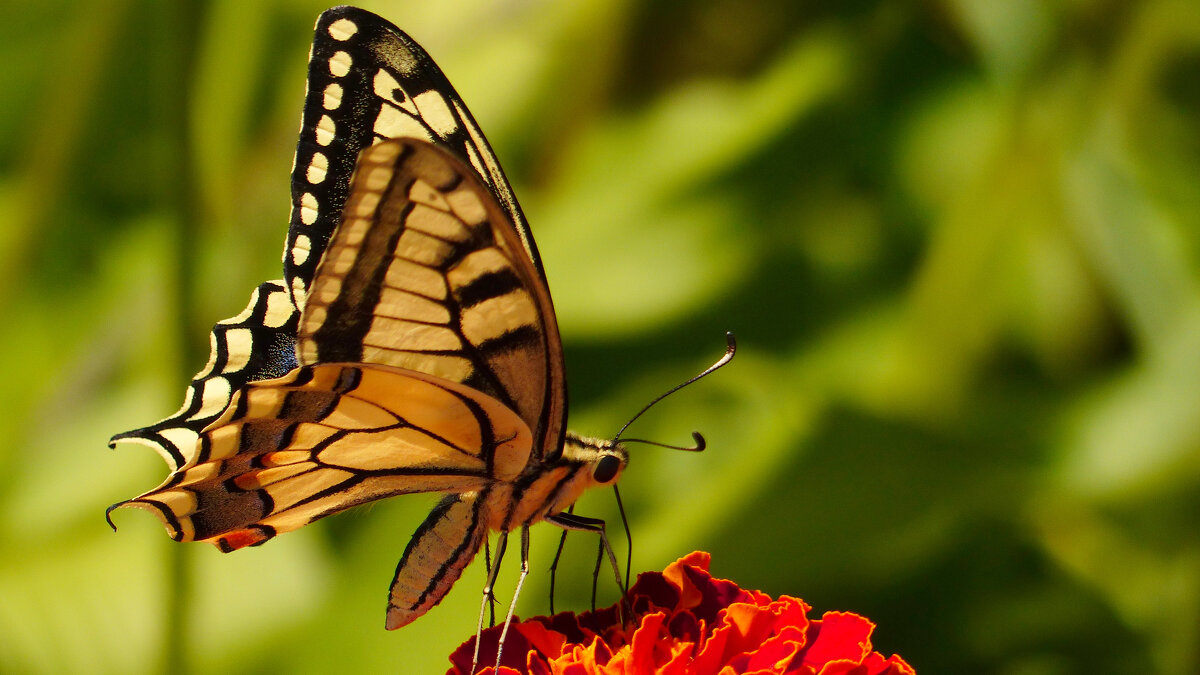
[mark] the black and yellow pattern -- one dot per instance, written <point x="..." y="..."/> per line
<point x="411" y="348"/>
<point x="258" y="343"/>
<point x="330" y="436"/>
<point x="369" y="82"/>
<point x="426" y="273"/>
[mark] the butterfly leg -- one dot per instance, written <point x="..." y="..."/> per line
<point x="571" y="521"/>
<point x="493" y="570"/>
<point x="517" y="593"/>
<point x="487" y="572"/>
<point x="562" y="541"/>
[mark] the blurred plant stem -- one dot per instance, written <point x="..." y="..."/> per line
<point x="178" y="35"/>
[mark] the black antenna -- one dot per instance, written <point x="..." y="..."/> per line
<point x="731" y="347"/>
<point x="700" y="443"/>
<point x="729" y="351"/>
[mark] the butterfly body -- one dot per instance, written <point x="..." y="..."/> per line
<point x="411" y="347"/>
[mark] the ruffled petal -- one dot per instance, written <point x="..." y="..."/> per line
<point x="686" y="622"/>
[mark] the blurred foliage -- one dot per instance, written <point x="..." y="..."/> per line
<point x="957" y="241"/>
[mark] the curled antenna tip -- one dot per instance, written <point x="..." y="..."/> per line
<point x="696" y="437"/>
<point x="730" y="349"/>
<point x="108" y="514"/>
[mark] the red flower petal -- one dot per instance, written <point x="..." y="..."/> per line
<point x="547" y="642"/>
<point x="839" y="636"/>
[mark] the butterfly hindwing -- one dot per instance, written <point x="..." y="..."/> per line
<point x="426" y="272"/>
<point x="256" y="344"/>
<point x="327" y="437"/>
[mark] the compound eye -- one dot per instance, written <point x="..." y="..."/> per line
<point x="606" y="469"/>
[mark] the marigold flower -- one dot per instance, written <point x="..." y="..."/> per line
<point x="687" y="623"/>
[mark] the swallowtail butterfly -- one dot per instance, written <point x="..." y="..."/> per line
<point x="410" y="347"/>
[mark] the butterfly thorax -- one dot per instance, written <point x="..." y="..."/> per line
<point x="551" y="487"/>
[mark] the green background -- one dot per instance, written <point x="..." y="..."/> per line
<point x="957" y="240"/>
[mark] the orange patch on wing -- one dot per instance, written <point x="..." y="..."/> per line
<point x="241" y="539"/>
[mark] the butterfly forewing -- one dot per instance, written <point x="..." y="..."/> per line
<point x="330" y="436"/>
<point x="426" y="273"/>
<point x="369" y="82"/>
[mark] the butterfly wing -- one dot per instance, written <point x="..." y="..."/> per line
<point x="426" y="272"/>
<point x="328" y="437"/>
<point x="368" y="82"/>
<point x="257" y="344"/>
<point x="426" y="366"/>
<point x="428" y="353"/>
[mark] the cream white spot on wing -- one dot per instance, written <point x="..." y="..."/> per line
<point x="387" y="88"/>
<point x="301" y="249"/>
<point x="339" y="64"/>
<point x="326" y="290"/>
<point x="353" y="230"/>
<point x="238" y="345"/>
<point x="390" y="333"/>
<point x="384" y="153"/>
<point x="318" y="167"/>
<point x="476" y="264"/>
<point x="454" y="368"/>
<point x="399" y="304"/>
<point x="437" y="223"/>
<point x="467" y="206"/>
<point x="394" y="123"/>
<point x="416" y="278"/>
<point x="339" y="260"/>
<point x="436" y="112"/>
<point x="479" y="322"/>
<point x="333" y="96"/>
<point x="308" y="208"/>
<point x="299" y="293"/>
<point x="181" y="437"/>
<point x="377" y="178"/>
<point x="422" y="249"/>
<point x="217" y="391"/>
<point x="485" y="166"/>
<point x="366" y="205"/>
<point x="314" y="318"/>
<point x="422" y="192"/>
<point x="279" y="305"/>
<point x="326" y="130"/>
<point x="342" y="30"/>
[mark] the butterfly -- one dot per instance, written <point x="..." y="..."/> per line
<point x="411" y="347"/>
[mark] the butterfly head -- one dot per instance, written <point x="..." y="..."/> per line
<point x="604" y="460"/>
